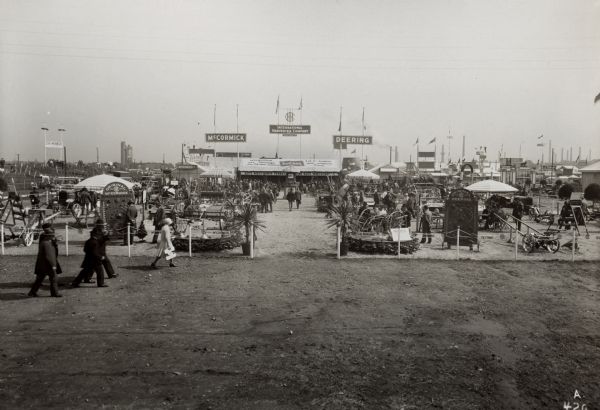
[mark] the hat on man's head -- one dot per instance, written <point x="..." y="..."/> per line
<point x="167" y="221"/>
<point x="100" y="222"/>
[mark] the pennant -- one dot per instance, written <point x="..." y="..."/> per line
<point x="597" y="99"/>
<point x="340" y="126"/>
<point x="433" y="140"/>
<point x="541" y="136"/>
<point x="416" y="142"/>
<point x="354" y="151"/>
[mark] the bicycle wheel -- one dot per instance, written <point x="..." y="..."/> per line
<point x="553" y="245"/>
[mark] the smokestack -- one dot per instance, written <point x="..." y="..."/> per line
<point x="463" y="148"/>
<point x="571" y="154"/>
<point x="561" y="154"/>
<point x="396" y="154"/>
<point x="442" y="153"/>
<point x="550" y="149"/>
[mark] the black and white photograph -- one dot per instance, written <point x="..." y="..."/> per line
<point x="317" y="204"/>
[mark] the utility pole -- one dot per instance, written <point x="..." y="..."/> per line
<point x="97" y="155"/>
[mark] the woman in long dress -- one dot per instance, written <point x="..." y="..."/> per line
<point x="165" y="244"/>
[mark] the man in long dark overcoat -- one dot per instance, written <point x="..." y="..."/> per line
<point x="46" y="263"/>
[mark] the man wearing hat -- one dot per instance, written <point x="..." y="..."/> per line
<point x="165" y="243"/>
<point x="47" y="262"/>
<point x="158" y="218"/>
<point x="130" y="217"/>
<point x="92" y="262"/>
<point x="101" y="235"/>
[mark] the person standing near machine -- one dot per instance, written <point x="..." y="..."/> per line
<point x="426" y="219"/>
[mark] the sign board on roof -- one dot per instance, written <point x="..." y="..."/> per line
<point x="289" y="129"/>
<point x="353" y="139"/>
<point x="228" y="137"/>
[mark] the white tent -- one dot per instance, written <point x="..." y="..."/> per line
<point x="362" y="174"/>
<point x="98" y="182"/>
<point x="491" y="186"/>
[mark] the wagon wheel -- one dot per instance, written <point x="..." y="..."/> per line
<point x="528" y="243"/>
<point x="76" y="210"/>
<point x="553" y="245"/>
<point x="28" y="236"/>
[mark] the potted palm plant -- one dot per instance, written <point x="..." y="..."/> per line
<point x="245" y="217"/>
<point x="342" y="215"/>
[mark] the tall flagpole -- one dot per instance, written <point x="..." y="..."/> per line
<point x="362" y="146"/>
<point x="340" y="131"/>
<point x="237" y="129"/>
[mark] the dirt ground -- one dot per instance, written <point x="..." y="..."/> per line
<point x="304" y="332"/>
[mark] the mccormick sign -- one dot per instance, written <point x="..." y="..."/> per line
<point x="231" y="137"/>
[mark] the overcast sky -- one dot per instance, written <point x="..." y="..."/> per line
<point x="500" y="72"/>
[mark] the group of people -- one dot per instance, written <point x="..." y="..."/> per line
<point x="294" y="196"/>
<point x="95" y="260"/>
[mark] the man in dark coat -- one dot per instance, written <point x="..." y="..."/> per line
<point x="130" y="218"/>
<point x="291" y="197"/>
<point x="518" y="210"/>
<point x="92" y="262"/>
<point x="47" y="262"/>
<point x="298" y="198"/>
<point x="101" y="235"/>
<point x="158" y="217"/>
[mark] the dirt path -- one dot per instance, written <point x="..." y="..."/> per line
<point x="308" y="333"/>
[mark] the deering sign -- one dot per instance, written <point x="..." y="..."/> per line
<point x="349" y="139"/>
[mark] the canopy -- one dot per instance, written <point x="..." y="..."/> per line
<point x="363" y="173"/>
<point x="98" y="182"/>
<point x="489" y="185"/>
<point x="217" y="173"/>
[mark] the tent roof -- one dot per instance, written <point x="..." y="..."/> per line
<point x="591" y="168"/>
<point x="98" y="182"/>
<point x="218" y="173"/>
<point x="363" y="173"/>
<point x="489" y="185"/>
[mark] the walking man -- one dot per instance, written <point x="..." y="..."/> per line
<point x="158" y="217"/>
<point x="291" y="197"/>
<point x="298" y="198"/>
<point x="101" y="235"/>
<point x="426" y="219"/>
<point x="92" y="262"/>
<point x="47" y="262"/>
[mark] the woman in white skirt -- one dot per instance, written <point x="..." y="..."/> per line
<point x="165" y="244"/>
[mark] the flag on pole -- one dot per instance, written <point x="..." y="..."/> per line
<point x="340" y="126"/>
<point x="433" y="140"/>
<point x="300" y="106"/>
<point x="277" y="106"/>
<point x="541" y="136"/>
<point x="416" y="142"/>
<point x="597" y="99"/>
<point x="354" y="151"/>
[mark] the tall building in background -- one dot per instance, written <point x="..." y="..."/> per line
<point x="126" y="155"/>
